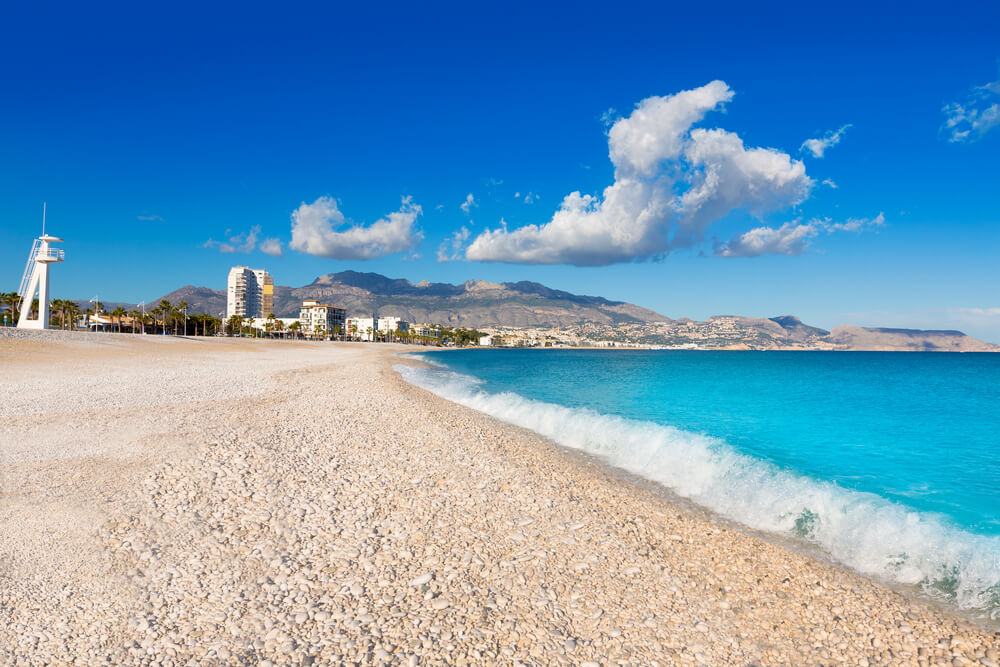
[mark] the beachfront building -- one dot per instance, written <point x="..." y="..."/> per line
<point x="321" y="319"/>
<point x="425" y="331"/>
<point x="362" y="328"/>
<point x="392" y="325"/>
<point x="250" y="293"/>
<point x="486" y="341"/>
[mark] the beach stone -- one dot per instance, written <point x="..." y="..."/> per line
<point x="282" y="483"/>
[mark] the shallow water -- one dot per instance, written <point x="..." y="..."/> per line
<point x="886" y="461"/>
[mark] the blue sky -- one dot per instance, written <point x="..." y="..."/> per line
<point x="151" y="131"/>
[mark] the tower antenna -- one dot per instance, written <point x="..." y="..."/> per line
<point x="43" y="218"/>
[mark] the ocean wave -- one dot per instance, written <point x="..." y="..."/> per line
<point x="872" y="535"/>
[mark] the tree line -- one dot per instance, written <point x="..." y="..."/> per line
<point x="166" y="317"/>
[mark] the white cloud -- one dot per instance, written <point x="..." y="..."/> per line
<point x="243" y="242"/>
<point x="517" y="195"/>
<point x="792" y="238"/>
<point x="149" y="218"/>
<point x="609" y="117"/>
<point x="316" y="231"/>
<point x="819" y="146"/>
<point x="271" y="247"/>
<point x="671" y="183"/>
<point x="439" y="207"/>
<point x="469" y="203"/>
<point x="830" y="183"/>
<point x="789" y="239"/>
<point x="530" y="198"/>
<point x="968" y="121"/>
<point x="855" y="224"/>
<point x="450" y="248"/>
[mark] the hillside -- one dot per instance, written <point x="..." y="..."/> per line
<point x="471" y="304"/>
<point x="477" y="303"/>
<point x="909" y="340"/>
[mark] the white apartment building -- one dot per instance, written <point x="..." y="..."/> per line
<point x="392" y="325"/>
<point x="321" y="319"/>
<point x="486" y="341"/>
<point x="250" y="293"/>
<point x="362" y="328"/>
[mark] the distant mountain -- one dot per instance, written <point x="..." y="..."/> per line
<point x="199" y="300"/>
<point x="474" y="303"/>
<point x="911" y="340"/>
<point x="478" y="303"/>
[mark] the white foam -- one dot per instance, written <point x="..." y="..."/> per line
<point x="871" y="534"/>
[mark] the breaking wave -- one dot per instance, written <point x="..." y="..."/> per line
<point x="873" y="535"/>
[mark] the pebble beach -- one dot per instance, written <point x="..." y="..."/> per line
<point x="170" y="501"/>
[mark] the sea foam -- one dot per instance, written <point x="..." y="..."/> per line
<point x="875" y="536"/>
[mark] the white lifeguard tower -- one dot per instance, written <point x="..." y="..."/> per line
<point x="36" y="279"/>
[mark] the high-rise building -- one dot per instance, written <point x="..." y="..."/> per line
<point x="250" y="293"/>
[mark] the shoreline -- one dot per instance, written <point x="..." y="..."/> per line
<point x="354" y="484"/>
<point x="802" y="547"/>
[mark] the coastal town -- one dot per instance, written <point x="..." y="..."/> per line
<point x="344" y="307"/>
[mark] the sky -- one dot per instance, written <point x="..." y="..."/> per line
<point x="836" y="162"/>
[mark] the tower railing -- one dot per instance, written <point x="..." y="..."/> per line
<point x="28" y="268"/>
<point x="51" y="255"/>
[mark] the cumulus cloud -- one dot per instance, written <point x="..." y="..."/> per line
<point x="792" y="238"/>
<point x="271" y="247"/>
<point x="830" y="183"/>
<point x="244" y="242"/>
<point x="321" y="229"/>
<point x="469" y="204"/>
<point x="450" y="248"/>
<point x="819" y="146"/>
<point x="968" y="121"/>
<point x="789" y="239"/>
<point x="671" y="183"/>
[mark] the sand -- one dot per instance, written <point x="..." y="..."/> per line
<point x="192" y="501"/>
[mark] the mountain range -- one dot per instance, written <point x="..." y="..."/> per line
<point x="474" y="303"/>
<point x="478" y="304"/>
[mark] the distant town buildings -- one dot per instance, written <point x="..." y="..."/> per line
<point x="425" y="330"/>
<point x="318" y="317"/>
<point x="250" y="293"/>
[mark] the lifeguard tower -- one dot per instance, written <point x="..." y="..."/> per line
<point x="36" y="279"/>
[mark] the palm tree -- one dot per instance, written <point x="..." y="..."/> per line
<point x="164" y="311"/>
<point x="118" y="313"/>
<point x="9" y="299"/>
<point x="278" y="325"/>
<point x="295" y="327"/>
<point x="133" y="316"/>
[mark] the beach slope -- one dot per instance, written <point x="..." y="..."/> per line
<point x="244" y="502"/>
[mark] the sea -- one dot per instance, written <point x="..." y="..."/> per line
<point x="887" y="463"/>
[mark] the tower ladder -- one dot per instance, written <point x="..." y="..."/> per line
<point x="28" y="268"/>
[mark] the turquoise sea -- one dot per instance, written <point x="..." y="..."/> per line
<point x="887" y="462"/>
